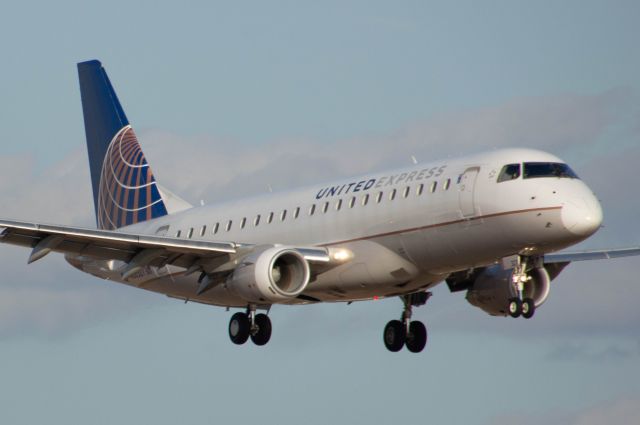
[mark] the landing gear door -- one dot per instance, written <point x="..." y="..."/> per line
<point x="466" y="193"/>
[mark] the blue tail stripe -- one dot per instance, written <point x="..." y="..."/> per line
<point x="103" y="116"/>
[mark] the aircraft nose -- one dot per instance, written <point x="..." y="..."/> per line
<point x="582" y="216"/>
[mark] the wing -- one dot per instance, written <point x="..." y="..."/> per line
<point x="135" y="250"/>
<point x="566" y="257"/>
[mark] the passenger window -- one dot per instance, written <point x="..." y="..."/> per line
<point x="296" y="213"/>
<point x="215" y="228"/>
<point x="379" y="197"/>
<point x="190" y="233"/>
<point x="392" y="195"/>
<point x="419" y="189"/>
<point x="203" y="230"/>
<point x="365" y="199"/>
<point x="325" y="207"/>
<point x="312" y="209"/>
<point x="178" y="233"/>
<point x="338" y="204"/>
<point x="243" y="222"/>
<point x="229" y="223"/>
<point x="270" y="218"/>
<point x="283" y="215"/>
<point x="257" y="220"/>
<point x="447" y="184"/>
<point x="406" y="191"/>
<point x="509" y="172"/>
<point x="352" y="201"/>
<point x="434" y="186"/>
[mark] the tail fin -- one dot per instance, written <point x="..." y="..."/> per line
<point x="124" y="189"/>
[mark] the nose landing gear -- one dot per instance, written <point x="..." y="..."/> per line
<point x="521" y="306"/>
<point x="413" y="334"/>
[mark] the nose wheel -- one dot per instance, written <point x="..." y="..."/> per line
<point x="528" y="308"/>
<point x="243" y="326"/>
<point x="405" y="332"/>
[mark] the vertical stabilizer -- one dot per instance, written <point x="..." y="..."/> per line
<point x="124" y="188"/>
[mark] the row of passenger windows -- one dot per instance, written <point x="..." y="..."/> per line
<point x="324" y="207"/>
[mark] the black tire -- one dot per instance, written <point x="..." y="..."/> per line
<point x="528" y="308"/>
<point x="394" y="335"/>
<point x="239" y="328"/>
<point x="515" y="307"/>
<point x="263" y="335"/>
<point x="417" y="338"/>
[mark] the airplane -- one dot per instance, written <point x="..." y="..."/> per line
<point x="492" y="224"/>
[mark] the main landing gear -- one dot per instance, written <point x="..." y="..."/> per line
<point x="249" y="324"/>
<point x="413" y="334"/>
<point x="521" y="306"/>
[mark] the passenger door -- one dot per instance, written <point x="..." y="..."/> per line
<point x="466" y="193"/>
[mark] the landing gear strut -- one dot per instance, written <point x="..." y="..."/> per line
<point x="521" y="306"/>
<point x="243" y="326"/>
<point x="413" y="334"/>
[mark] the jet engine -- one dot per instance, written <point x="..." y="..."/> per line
<point x="490" y="288"/>
<point x="272" y="275"/>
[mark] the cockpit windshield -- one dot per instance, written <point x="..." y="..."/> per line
<point x="534" y="170"/>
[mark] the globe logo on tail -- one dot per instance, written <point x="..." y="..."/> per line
<point x="128" y="193"/>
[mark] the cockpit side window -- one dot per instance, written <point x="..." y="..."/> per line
<point x="534" y="170"/>
<point x="509" y="172"/>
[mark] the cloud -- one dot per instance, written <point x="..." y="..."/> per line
<point x="584" y="352"/>
<point x="33" y="310"/>
<point x="53" y="193"/>
<point x="621" y="411"/>
<point x="49" y="298"/>
<point x="595" y="131"/>
<point x="226" y="168"/>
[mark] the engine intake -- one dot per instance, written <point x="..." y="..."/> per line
<point x="275" y="274"/>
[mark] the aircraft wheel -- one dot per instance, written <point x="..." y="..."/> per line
<point x="263" y="334"/>
<point x="528" y="308"/>
<point x="515" y="307"/>
<point x="239" y="327"/>
<point x="417" y="338"/>
<point x="394" y="335"/>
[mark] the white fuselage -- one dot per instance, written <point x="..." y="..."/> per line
<point x="407" y="228"/>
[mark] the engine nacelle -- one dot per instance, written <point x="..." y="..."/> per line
<point x="491" y="289"/>
<point x="273" y="275"/>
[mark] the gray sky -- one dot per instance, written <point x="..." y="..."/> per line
<point x="227" y="99"/>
